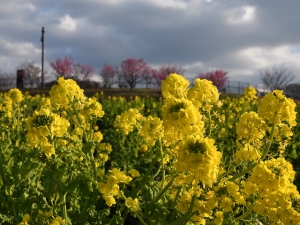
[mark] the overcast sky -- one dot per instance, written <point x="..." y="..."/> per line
<point x="240" y="37"/>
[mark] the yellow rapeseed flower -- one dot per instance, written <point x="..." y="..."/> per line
<point x="250" y="93"/>
<point x="175" y="86"/>
<point x="132" y="204"/>
<point x="275" y="108"/>
<point x="134" y="173"/>
<point x="58" y="221"/>
<point x="204" y="94"/>
<point x="15" y="95"/>
<point x="64" y="92"/>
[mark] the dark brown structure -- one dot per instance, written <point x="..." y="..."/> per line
<point x="20" y="79"/>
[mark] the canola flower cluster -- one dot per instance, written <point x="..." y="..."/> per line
<point x="45" y="125"/>
<point x="271" y="180"/>
<point x="61" y="123"/>
<point x="189" y="169"/>
<point x="111" y="190"/>
<point x="42" y="218"/>
<point x="194" y="157"/>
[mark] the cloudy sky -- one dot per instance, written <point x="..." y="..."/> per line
<point x="239" y="36"/>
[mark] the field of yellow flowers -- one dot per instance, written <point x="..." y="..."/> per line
<point x="190" y="158"/>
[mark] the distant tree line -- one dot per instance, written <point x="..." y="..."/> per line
<point x="132" y="71"/>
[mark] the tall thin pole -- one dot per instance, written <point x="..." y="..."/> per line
<point x="42" y="40"/>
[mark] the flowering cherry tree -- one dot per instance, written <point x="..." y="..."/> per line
<point x="218" y="77"/>
<point x="164" y="71"/>
<point x="63" y="67"/>
<point x="133" y="71"/>
<point x="67" y="68"/>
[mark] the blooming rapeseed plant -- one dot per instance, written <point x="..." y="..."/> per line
<point x="65" y="92"/>
<point x="128" y="120"/>
<point x="200" y="157"/>
<point x="275" y="108"/>
<point x="15" y="95"/>
<point x="132" y="204"/>
<point x="42" y="127"/>
<point x="203" y="94"/>
<point x="250" y="93"/>
<point x="175" y="86"/>
<point x="184" y="160"/>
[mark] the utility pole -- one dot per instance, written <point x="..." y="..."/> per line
<point x="42" y="40"/>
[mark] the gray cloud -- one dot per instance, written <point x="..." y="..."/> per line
<point x="241" y="37"/>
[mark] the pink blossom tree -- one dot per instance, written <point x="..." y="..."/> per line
<point x="133" y="71"/>
<point x="62" y="67"/>
<point x="82" y="72"/>
<point x="218" y="77"/>
<point x="108" y="74"/>
<point x="67" y="68"/>
<point x="164" y="71"/>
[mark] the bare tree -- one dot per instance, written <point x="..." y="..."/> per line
<point x="109" y="75"/>
<point x="147" y="76"/>
<point x="32" y="74"/>
<point x="292" y="90"/>
<point x="7" y="81"/>
<point x="276" y="77"/>
<point x="82" y="72"/>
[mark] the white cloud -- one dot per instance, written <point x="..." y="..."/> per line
<point x="241" y="15"/>
<point x="22" y="49"/>
<point x="112" y="2"/>
<point x="67" y="23"/>
<point x="15" y="53"/>
<point x="176" y="4"/>
<point x="29" y="6"/>
<point x="269" y="56"/>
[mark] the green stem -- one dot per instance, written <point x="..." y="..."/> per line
<point x="2" y="172"/>
<point x="163" y="191"/>
<point x="18" y="118"/>
<point x="64" y="209"/>
<point x="209" y="125"/>
<point x="267" y="148"/>
<point x="176" y="198"/>
<point x="4" y="182"/>
<point x="157" y="172"/>
<point x="162" y="163"/>
<point x="93" y="162"/>
<point x="125" y="214"/>
<point x="247" y="213"/>
<point x="140" y="218"/>
<point x="151" y="167"/>
<point x="177" y="195"/>
<point x="79" y="121"/>
<point x="243" y="172"/>
<point x="146" y="177"/>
